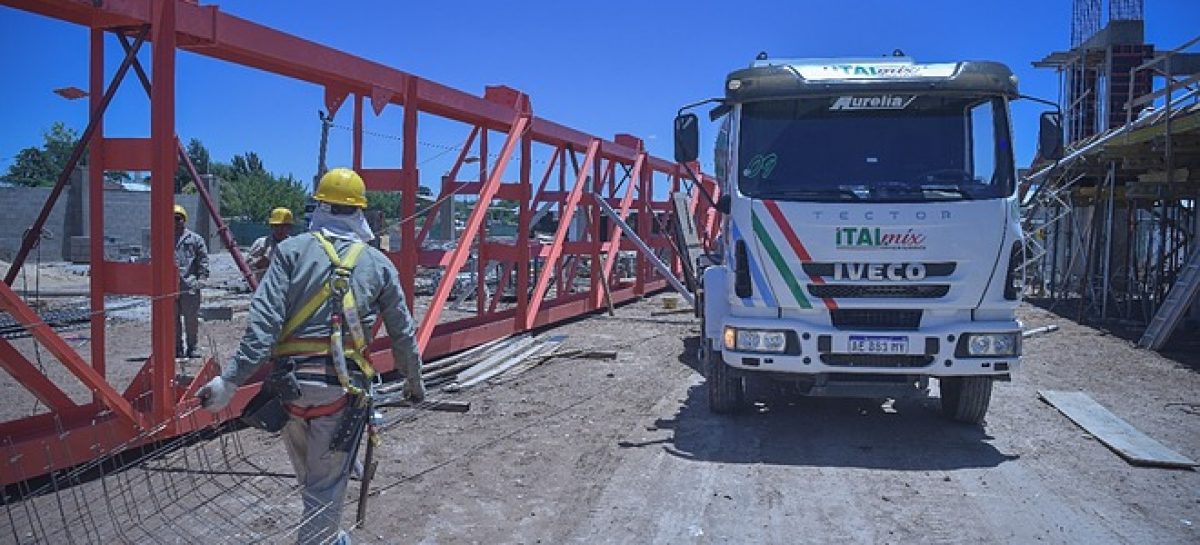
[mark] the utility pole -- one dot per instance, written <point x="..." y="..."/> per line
<point x="326" y="121"/>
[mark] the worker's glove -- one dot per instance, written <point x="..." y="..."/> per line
<point x="414" y="388"/>
<point x="217" y="394"/>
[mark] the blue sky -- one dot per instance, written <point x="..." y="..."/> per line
<point x="613" y="67"/>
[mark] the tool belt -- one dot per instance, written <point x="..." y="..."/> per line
<point x="318" y="411"/>
<point x="265" y="410"/>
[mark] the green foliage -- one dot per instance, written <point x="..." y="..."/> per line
<point x="386" y="201"/>
<point x="41" y="166"/>
<point x="200" y="158"/>
<point x="249" y="192"/>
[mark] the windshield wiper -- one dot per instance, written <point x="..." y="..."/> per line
<point x="952" y="189"/>
<point x="845" y="194"/>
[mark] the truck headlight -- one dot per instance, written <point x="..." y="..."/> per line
<point x="990" y="344"/>
<point x="755" y="340"/>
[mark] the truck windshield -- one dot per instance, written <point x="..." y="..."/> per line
<point x="880" y="148"/>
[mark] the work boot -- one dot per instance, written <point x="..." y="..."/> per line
<point x="192" y="352"/>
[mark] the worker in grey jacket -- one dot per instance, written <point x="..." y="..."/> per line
<point x="296" y="317"/>
<point x="264" y="247"/>
<point x="191" y="257"/>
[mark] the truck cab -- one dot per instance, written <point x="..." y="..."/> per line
<point x="870" y="235"/>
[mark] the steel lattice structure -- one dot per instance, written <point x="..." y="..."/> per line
<point x="544" y="274"/>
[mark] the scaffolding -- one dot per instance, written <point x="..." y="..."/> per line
<point x="1111" y="225"/>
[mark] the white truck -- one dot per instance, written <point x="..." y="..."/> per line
<point x="870" y="232"/>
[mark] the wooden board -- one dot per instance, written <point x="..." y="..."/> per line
<point x="687" y="238"/>
<point x="1134" y="446"/>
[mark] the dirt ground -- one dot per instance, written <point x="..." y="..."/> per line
<point x="626" y="451"/>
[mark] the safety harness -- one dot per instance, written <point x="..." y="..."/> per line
<point x="337" y="293"/>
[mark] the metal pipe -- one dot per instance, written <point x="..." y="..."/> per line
<point x="662" y="268"/>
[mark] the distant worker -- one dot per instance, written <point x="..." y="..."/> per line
<point x="191" y="258"/>
<point x="321" y="296"/>
<point x="263" y="248"/>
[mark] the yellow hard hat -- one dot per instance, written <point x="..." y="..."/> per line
<point x="181" y="211"/>
<point x="280" y="216"/>
<point x="342" y="186"/>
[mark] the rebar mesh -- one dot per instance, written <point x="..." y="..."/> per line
<point x="209" y="486"/>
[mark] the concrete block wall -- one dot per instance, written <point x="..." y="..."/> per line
<point x="21" y="206"/>
<point x="126" y="219"/>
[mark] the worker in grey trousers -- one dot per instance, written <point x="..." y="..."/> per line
<point x="191" y="258"/>
<point x="299" y="269"/>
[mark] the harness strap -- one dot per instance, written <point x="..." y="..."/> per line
<point x="339" y="282"/>
<point x="309" y="413"/>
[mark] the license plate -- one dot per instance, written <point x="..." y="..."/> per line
<point x="876" y="344"/>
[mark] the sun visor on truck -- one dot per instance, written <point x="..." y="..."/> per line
<point x="780" y="79"/>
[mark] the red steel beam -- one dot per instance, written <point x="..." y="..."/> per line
<point x="43" y="333"/>
<point x="99" y="279"/>
<point x="614" y="236"/>
<point x="164" y="278"/>
<point x="459" y="256"/>
<point x="567" y="212"/>
<point x="29" y="376"/>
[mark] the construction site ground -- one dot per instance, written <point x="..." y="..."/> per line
<point x="626" y="451"/>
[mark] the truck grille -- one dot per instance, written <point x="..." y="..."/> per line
<point x="874" y="360"/>
<point x="860" y="291"/>
<point x="867" y="319"/>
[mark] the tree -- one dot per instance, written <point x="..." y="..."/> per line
<point x="249" y="192"/>
<point x="200" y="158"/>
<point x="387" y="201"/>
<point x="40" y="167"/>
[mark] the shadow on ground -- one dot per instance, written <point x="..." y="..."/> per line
<point x="1182" y="348"/>
<point x="830" y="432"/>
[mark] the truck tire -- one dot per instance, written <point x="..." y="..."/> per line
<point x="966" y="399"/>
<point x="726" y="392"/>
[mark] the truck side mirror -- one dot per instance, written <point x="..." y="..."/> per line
<point x="723" y="204"/>
<point x="687" y="138"/>
<point x="1050" y="136"/>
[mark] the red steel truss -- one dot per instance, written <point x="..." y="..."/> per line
<point x="582" y="168"/>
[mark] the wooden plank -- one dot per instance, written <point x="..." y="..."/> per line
<point x="1134" y="446"/>
<point x="687" y="239"/>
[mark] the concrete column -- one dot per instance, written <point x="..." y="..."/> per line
<point x="75" y="220"/>
<point x="204" y="225"/>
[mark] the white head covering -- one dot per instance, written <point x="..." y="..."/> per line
<point x="345" y="226"/>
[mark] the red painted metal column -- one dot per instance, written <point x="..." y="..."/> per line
<point x="95" y="183"/>
<point x="408" y="201"/>
<point x="527" y="210"/>
<point x="644" y="209"/>
<point x="357" y="151"/>
<point x="165" y="275"/>
<point x="595" y="189"/>
<point x="458" y="256"/>
<point x="482" y="239"/>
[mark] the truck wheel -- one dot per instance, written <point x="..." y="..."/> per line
<point x="966" y="399"/>
<point x="726" y="393"/>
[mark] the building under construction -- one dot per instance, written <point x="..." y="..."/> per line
<point x="1111" y="225"/>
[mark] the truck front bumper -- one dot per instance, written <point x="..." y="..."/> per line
<point x="932" y="351"/>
